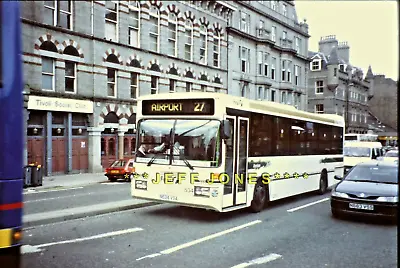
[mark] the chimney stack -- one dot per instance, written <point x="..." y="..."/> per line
<point x="344" y="51"/>
<point x="327" y="43"/>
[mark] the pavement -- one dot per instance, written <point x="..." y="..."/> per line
<point x="296" y="232"/>
<point x="67" y="197"/>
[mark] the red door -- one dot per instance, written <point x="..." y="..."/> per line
<point x="35" y="150"/>
<point x="108" y="150"/>
<point x="58" y="155"/>
<point x="80" y="161"/>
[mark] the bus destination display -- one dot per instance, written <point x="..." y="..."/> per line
<point x="178" y="107"/>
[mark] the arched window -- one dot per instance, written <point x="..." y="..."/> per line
<point x="188" y="40"/>
<point x="70" y="70"/>
<point x="112" y="118"/>
<point x="112" y="76"/>
<point x="48" y="65"/>
<point x="134" y="23"/>
<point x="154" y="32"/>
<point x="203" y="44"/>
<point x="217" y="49"/>
<point x="172" y="34"/>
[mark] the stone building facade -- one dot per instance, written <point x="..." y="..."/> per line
<point x="267" y="49"/>
<point x="86" y="62"/>
<point x="384" y="103"/>
<point x="337" y="87"/>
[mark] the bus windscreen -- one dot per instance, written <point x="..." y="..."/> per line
<point x="178" y="107"/>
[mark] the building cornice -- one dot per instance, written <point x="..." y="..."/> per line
<point x="265" y="41"/>
<point x="272" y="18"/>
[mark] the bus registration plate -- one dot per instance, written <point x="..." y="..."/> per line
<point x="168" y="197"/>
<point x="361" y="206"/>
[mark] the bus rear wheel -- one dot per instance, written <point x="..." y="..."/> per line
<point x="259" y="198"/>
<point x="323" y="183"/>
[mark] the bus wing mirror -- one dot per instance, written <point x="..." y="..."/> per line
<point x="226" y="130"/>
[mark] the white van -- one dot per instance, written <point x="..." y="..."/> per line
<point x="358" y="152"/>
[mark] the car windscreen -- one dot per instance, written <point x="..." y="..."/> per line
<point x="383" y="174"/>
<point x="357" y="151"/>
<point x="392" y="154"/>
<point x="118" y="163"/>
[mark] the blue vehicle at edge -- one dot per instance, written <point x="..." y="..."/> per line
<point x="11" y="134"/>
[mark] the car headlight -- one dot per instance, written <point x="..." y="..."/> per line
<point x="393" y="199"/>
<point x="339" y="194"/>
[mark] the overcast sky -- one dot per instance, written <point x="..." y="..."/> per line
<point x="369" y="27"/>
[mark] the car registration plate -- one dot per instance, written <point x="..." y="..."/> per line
<point x="114" y="171"/>
<point x="361" y="206"/>
<point x="168" y="197"/>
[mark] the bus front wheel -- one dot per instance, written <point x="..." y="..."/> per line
<point x="260" y="197"/>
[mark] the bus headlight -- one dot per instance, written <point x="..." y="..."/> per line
<point x="202" y="191"/>
<point x="141" y="185"/>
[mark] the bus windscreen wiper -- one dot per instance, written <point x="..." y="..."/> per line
<point x="153" y="159"/>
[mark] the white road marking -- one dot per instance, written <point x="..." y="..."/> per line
<point x="307" y="205"/>
<point x="197" y="241"/>
<point x="55" y="198"/>
<point x="31" y="248"/>
<point x="32" y="191"/>
<point x="262" y="260"/>
<point x="112" y="183"/>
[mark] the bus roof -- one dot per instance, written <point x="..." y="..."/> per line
<point x="250" y="105"/>
<point x="368" y="144"/>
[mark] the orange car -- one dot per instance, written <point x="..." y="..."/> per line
<point x="120" y="169"/>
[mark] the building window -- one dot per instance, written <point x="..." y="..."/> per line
<point x="245" y="90"/>
<point x="48" y="74"/>
<point x="319" y="108"/>
<point x="134" y="25"/>
<point x="154" y="32"/>
<point x="283" y="97"/>
<point x="188" y="40"/>
<point x="260" y="93"/>
<point x="244" y="55"/>
<point x="283" y="76"/>
<point x="273" y="33"/>
<point x="111" y="17"/>
<point x="189" y="87"/>
<point x="290" y="98"/>
<point x="316" y="65"/>
<point x="134" y="85"/>
<point x="296" y="75"/>
<point x="266" y="93"/>
<point x="334" y="72"/>
<point x="260" y="62"/>
<point x="58" y="13"/>
<point x="284" y="35"/>
<point x="154" y="85"/>
<point x="217" y="49"/>
<point x="284" y="10"/>
<point x="341" y="67"/>
<point x="203" y="44"/>
<point x="203" y="88"/>
<point x="289" y="72"/>
<point x="261" y="29"/>
<point x="111" y="82"/>
<point x="273" y="95"/>
<point x="273" y="68"/>
<point x="172" y="27"/>
<point x="244" y="22"/>
<point x="273" y="5"/>
<point x="70" y="77"/>
<point x="266" y="66"/>
<point x="297" y="45"/>
<point x="172" y="85"/>
<point x="319" y="87"/>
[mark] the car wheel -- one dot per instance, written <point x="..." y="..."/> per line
<point x="323" y="183"/>
<point x="130" y="178"/>
<point x="260" y="197"/>
<point x="335" y="214"/>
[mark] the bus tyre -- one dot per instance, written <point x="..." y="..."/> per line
<point x="323" y="183"/>
<point x="259" y="198"/>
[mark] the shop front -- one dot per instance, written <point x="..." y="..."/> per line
<point x="57" y="136"/>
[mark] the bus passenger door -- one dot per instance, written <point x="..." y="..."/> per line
<point x="236" y="162"/>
